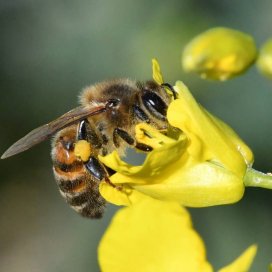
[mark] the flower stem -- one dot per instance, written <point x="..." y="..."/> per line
<point x="254" y="178"/>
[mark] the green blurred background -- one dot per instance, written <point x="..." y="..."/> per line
<point x="50" y="50"/>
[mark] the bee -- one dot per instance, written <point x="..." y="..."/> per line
<point x="106" y="119"/>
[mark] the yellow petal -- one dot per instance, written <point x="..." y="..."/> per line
<point x="241" y="147"/>
<point x="201" y="185"/>
<point x="242" y="263"/>
<point x="219" y="53"/>
<point x="125" y="195"/>
<point x="152" y="236"/>
<point x="155" y="162"/>
<point x="114" y="195"/>
<point x="149" y="172"/>
<point x="208" y="140"/>
<point x="157" y="76"/>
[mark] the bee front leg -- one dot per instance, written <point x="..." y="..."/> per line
<point x="122" y="134"/>
<point x="118" y="134"/>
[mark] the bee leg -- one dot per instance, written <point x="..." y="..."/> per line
<point x="98" y="170"/>
<point x="118" y="187"/>
<point x="82" y="130"/>
<point x="120" y="133"/>
<point x="95" y="168"/>
<point x="140" y="114"/>
<point x="86" y="131"/>
<point x="143" y="147"/>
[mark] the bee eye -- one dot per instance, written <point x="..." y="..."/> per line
<point x="154" y="104"/>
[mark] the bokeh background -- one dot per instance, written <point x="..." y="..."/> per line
<point x="50" y="50"/>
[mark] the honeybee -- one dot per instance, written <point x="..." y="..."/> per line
<point x="106" y="119"/>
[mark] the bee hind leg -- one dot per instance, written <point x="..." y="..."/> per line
<point x="96" y="168"/>
<point x="99" y="171"/>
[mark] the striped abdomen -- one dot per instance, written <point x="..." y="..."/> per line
<point x="76" y="184"/>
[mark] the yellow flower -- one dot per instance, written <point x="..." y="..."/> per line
<point x="203" y="165"/>
<point x="264" y="62"/>
<point x="158" y="236"/>
<point x="219" y="53"/>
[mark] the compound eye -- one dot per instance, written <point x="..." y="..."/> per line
<point x="154" y="104"/>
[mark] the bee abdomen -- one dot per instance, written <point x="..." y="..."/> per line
<point x="81" y="193"/>
<point x="73" y="167"/>
<point x="76" y="185"/>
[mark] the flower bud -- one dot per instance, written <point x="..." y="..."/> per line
<point x="264" y="62"/>
<point x="219" y="53"/>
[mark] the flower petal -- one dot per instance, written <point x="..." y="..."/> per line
<point x="157" y="75"/>
<point x="152" y="236"/>
<point x="243" y="262"/>
<point x="241" y="147"/>
<point x="208" y="140"/>
<point x="114" y="195"/>
<point x="202" y="185"/>
<point x="156" y="161"/>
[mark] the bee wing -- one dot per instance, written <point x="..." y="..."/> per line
<point x="42" y="133"/>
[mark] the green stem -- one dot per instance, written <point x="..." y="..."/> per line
<point x="254" y="178"/>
